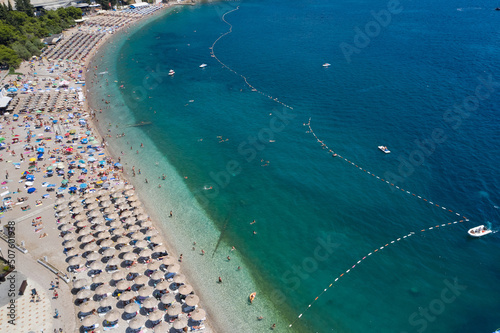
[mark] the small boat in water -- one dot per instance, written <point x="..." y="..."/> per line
<point x="326" y="64"/>
<point x="252" y="297"/>
<point x="384" y="149"/>
<point x="479" y="231"/>
<point x="171" y="72"/>
<point x="203" y="65"/>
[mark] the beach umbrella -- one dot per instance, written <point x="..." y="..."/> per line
<point x="72" y="189"/>
<point x="129" y="193"/>
<point x="168" y="260"/>
<point x="145" y="291"/>
<point x="155" y="315"/>
<point x="96" y="266"/>
<point x="122" y="240"/>
<point x="174" y="268"/>
<point x="112" y="316"/>
<point x="63" y="213"/>
<point x="106" y="203"/>
<point x="128" y="187"/>
<point x="93" y="256"/>
<point x="112" y="216"/>
<point x="123" y="285"/>
<point x="135" y="204"/>
<point x="150" y="233"/>
<point x="80" y="283"/>
<point x="145" y="253"/>
<point x="142" y="217"/>
<point x="141" y="279"/>
<point x="120" y="200"/>
<point x="141" y="244"/>
<point x="100" y="228"/>
<point x="136" y="236"/>
<point x="90" y="320"/>
<point x="88" y="306"/>
<point x="132" y="198"/>
<point x="109" y="210"/>
<point x="99" y="279"/>
<point x="198" y="314"/>
<point x="97" y="220"/>
<point x="180" y="323"/>
<point x="92" y="206"/>
<point x="113" y="261"/>
<point x="119" y="275"/>
<point x="146" y="224"/>
<point x="179" y="278"/>
<point x="192" y="300"/>
<point x="174" y="309"/>
<point x="94" y="213"/>
<point x="84" y="231"/>
<point x="87" y="239"/>
<point x="135" y="228"/>
<point x="130" y="256"/>
<point x="106" y="243"/>
<point x="157" y="275"/>
<point x="154" y="265"/>
<point x="104" y="234"/>
<point x="103" y="289"/>
<point x="126" y="213"/>
<point x="185" y="289"/>
<point x="77" y="210"/>
<point x="74" y="203"/>
<point x="80" y="217"/>
<point x="84" y="293"/>
<point x="65" y="220"/>
<point x="76" y="261"/>
<point x="150" y="303"/>
<point x="168" y="298"/>
<point x="136" y="323"/>
<point x="70" y="242"/>
<point x="73" y="252"/>
<point x="67" y="227"/>
<point x="60" y="201"/>
<point x="162" y="285"/>
<point x="136" y="269"/>
<point x="156" y="240"/>
<point x="162" y="327"/>
<point x="108" y="301"/>
<point x="160" y="249"/>
<point x="109" y="252"/>
<point x="82" y="224"/>
<point x="132" y="307"/>
<point x="115" y="224"/>
<point x="31" y="190"/>
<point x="90" y="246"/>
<point x="126" y="248"/>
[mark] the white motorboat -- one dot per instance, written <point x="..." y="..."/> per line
<point x="171" y="72"/>
<point x="326" y="64"/>
<point x="479" y="231"/>
<point x="384" y="149"/>
<point x="203" y="65"/>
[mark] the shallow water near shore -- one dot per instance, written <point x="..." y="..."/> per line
<point x="316" y="216"/>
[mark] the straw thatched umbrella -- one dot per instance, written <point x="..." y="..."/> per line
<point x="131" y="308"/>
<point x="82" y="224"/>
<point x="75" y="204"/>
<point x="115" y="224"/>
<point x="133" y="198"/>
<point x="185" y="289"/>
<point x="124" y="206"/>
<point x="109" y="210"/>
<point x="104" y="234"/>
<point x="174" y="268"/>
<point x="162" y="285"/>
<point x="65" y="220"/>
<point x="135" y="204"/>
<point x="126" y="248"/>
<point x="77" y="210"/>
<point x="151" y="233"/>
<point x="137" y="236"/>
<point x="84" y="231"/>
<point x="145" y="253"/>
<point x="118" y="231"/>
<point x="113" y="216"/>
<point x="133" y="228"/>
<point x="80" y="283"/>
<point x="123" y="240"/>
<point x="136" y="323"/>
<point x="108" y="301"/>
<point x="120" y="200"/>
<point x="180" y="323"/>
<point x="90" y="246"/>
<point x="162" y="327"/>
<point x="112" y="316"/>
<point x="141" y="217"/>
<point x="155" y="315"/>
<point x="179" y="278"/>
<point x="168" y="298"/>
<point x="100" y="228"/>
<point x="157" y="275"/>
<point x="94" y="213"/>
<point x="128" y="187"/>
<point x="145" y="291"/>
<point x="118" y="275"/>
<point x="123" y="285"/>
<point x="97" y="265"/>
<point x="73" y="252"/>
<point x="130" y="256"/>
<point x="127" y="296"/>
<point x="108" y="252"/>
<point x="141" y="279"/>
<point x="198" y="314"/>
<point x="150" y="303"/>
<point x="141" y="244"/>
<point x="84" y="293"/>
<point x="106" y="203"/>
<point x="130" y="220"/>
<point x="87" y="239"/>
<point x="156" y="240"/>
<point x="146" y="224"/>
<point x="80" y="217"/>
<point x="192" y="300"/>
<point x="88" y="306"/>
<point x="93" y="256"/>
<point x="168" y="260"/>
<point x="174" y="309"/>
<point x="103" y="289"/>
<point x="76" y="261"/>
<point x="106" y="243"/>
<point x="129" y="192"/>
<point x="160" y="249"/>
<point x="126" y="213"/>
<point x="154" y="265"/>
<point x="69" y="237"/>
<point x="60" y="201"/>
<point x="90" y="320"/>
<point x="93" y="205"/>
<point x="113" y="261"/>
<point x="97" y="220"/>
<point x="136" y="269"/>
<point x="101" y="278"/>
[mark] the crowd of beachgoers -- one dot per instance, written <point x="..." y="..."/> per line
<point x="86" y="220"/>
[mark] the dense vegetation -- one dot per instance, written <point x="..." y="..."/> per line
<point x="21" y="31"/>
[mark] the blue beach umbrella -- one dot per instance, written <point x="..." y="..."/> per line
<point x="83" y="185"/>
<point x="30" y="178"/>
<point x="72" y="189"/>
<point x="91" y="159"/>
<point x="40" y="150"/>
<point x="118" y="165"/>
<point x="39" y="156"/>
<point x="31" y="190"/>
<point x="84" y="141"/>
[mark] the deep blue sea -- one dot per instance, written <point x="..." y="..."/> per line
<point x="423" y="80"/>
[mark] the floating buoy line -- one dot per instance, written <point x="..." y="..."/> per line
<point x="324" y="146"/>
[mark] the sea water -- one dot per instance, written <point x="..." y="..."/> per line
<point x="424" y="83"/>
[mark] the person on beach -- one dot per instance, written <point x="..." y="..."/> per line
<point x="220" y="279"/>
<point x="228" y="258"/>
<point x="171" y="214"/>
<point x="202" y="252"/>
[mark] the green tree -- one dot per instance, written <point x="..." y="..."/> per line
<point x="7" y="34"/>
<point x="9" y="57"/>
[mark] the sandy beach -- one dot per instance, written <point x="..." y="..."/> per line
<point x="73" y="227"/>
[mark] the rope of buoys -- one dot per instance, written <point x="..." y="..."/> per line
<point x="368" y="255"/>
<point x="212" y="52"/>
<point x="378" y="177"/>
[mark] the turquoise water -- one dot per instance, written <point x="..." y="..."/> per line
<point x="209" y="130"/>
